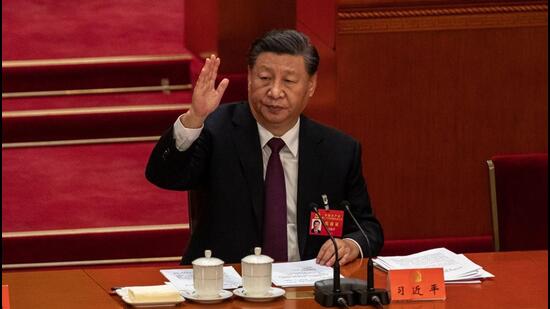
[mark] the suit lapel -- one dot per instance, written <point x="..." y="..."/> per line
<point x="247" y="142"/>
<point x="309" y="173"/>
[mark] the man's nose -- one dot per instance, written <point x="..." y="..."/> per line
<point x="276" y="90"/>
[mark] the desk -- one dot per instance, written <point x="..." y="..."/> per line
<point x="521" y="281"/>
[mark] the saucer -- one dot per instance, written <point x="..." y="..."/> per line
<point x="192" y="295"/>
<point x="271" y="294"/>
<point x="123" y="293"/>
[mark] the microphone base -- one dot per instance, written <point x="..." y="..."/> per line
<point x="326" y="297"/>
<point x="367" y="297"/>
<point x="353" y="291"/>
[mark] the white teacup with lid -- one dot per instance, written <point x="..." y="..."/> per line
<point x="208" y="275"/>
<point x="256" y="273"/>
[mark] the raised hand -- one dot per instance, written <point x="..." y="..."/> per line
<point x="206" y="97"/>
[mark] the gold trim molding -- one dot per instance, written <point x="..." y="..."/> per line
<point x="95" y="110"/>
<point x="441" y="18"/>
<point x="93" y="262"/>
<point x="162" y="88"/>
<point x="96" y="230"/>
<point x="443" y="11"/>
<point x="94" y="60"/>
<point x="81" y="142"/>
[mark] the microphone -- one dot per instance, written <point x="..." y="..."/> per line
<point x="332" y="292"/>
<point x="366" y="293"/>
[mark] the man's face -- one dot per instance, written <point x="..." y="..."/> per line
<point x="278" y="90"/>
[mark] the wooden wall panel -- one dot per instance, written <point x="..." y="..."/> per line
<point x="432" y="92"/>
<point x="228" y="27"/>
<point x="201" y="26"/>
<point x="242" y="21"/>
<point x="317" y="19"/>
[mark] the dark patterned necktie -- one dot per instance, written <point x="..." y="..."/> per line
<point x="275" y="239"/>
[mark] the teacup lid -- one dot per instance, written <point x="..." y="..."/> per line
<point x="257" y="257"/>
<point x="207" y="260"/>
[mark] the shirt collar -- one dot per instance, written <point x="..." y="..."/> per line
<point x="290" y="137"/>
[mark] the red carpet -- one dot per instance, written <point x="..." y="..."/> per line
<point x="61" y="188"/>
<point x="48" y="29"/>
<point x="72" y="43"/>
<point x="53" y="196"/>
<point x="68" y="187"/>
<point x="85" y="73"/>
<point x="114" y="122"/>
<point x="94" y="247"/>
<point x="99" y="100"/>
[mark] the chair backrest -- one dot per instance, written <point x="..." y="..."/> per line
<point x="519" y="201"/>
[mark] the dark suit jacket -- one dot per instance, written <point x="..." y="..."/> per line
<point x="225" y="162"/>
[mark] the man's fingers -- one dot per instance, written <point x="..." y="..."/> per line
<point x="215" y="64"/>
<point x="325" y="252"/>
<point x="211" y="71"/>
<point x="341" y="252"/>
<point x="208" y="70"/>
<point x="201" y="78"/>
<point x="222" y="86"/>
<point x="204" y="76"/>
<point x="331" y="261"/>
<point x="344" y="255"/>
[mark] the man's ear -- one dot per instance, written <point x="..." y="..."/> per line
<point x="249" y="79"/>
<point x="312" y="85"/>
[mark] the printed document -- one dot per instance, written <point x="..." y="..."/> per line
<point x="457" y="268"/>
<point x="182" y="279"/>
<point x="303" y="273"/>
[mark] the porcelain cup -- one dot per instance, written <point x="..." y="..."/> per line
<point x="208" y="276"/>
<point x="256" y="273"/>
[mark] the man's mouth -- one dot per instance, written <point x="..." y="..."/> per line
<point x="274" y="108"/>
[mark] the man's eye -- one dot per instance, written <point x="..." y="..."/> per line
<point x="290" y="81"/>
<point x="264" y="77"/>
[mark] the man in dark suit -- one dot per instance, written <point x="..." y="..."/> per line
<point x="225" y="152"/>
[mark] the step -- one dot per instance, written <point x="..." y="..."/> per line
<point x="92" y="122"/>
<point x="83" y="117"/>
<point x="109" y="245"/>
<point x="96" y="75"/>
<point x="96" y="192"/>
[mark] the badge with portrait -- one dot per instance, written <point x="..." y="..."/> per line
<point x="334" y="219"/>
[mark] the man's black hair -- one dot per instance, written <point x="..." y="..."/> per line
<point x="285" y="41"/>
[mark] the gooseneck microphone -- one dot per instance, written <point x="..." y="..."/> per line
<point x="367" y="294"/>
<point x="336" y="265"/>
<point x="331" y="292"/>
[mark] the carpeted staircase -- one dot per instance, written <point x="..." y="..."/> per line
<point x="79" y="117"/>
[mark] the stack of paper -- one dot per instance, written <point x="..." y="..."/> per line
<point x="182" y="279"/>
<point x="456" y="267"/>
<point x="303" y="273"/>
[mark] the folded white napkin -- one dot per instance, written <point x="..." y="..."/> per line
<point x="153" y="293"/>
